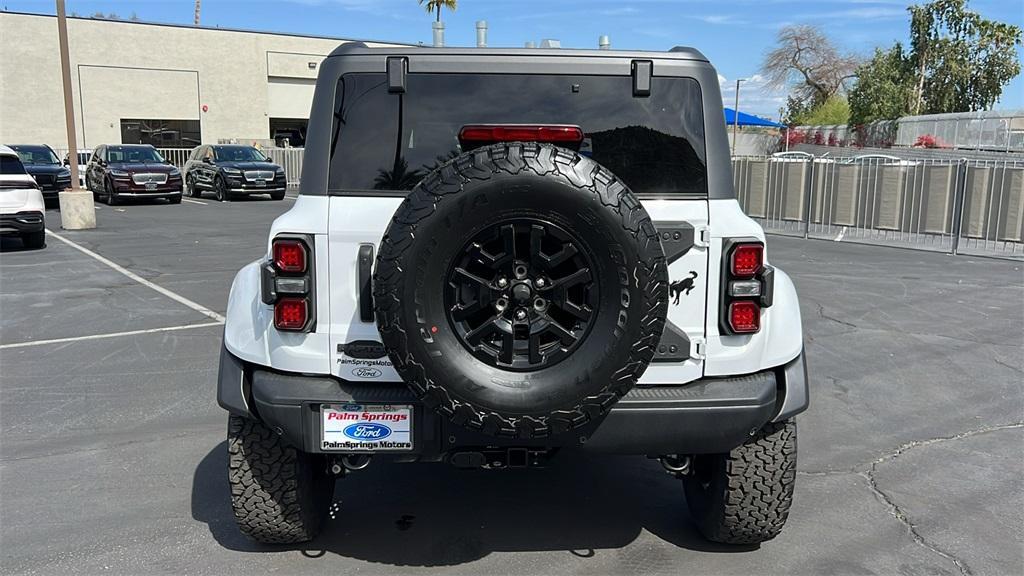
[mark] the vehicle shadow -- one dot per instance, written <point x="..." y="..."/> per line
<point x="437" y="515"/>
<point x="14" y="244"/>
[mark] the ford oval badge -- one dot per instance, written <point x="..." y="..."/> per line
<point x="367" y="431"/>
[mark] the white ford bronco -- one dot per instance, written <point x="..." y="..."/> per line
<point x="500" y="254"/>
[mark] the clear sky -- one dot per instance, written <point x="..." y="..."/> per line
<point x="734" y="34"/>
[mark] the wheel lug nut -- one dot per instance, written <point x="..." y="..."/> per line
<point x="520" y="314"/>
<point x="541" y="282"/>
<point x="502" y="282"/>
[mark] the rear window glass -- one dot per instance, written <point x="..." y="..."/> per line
<point x="11" y="165"/>
<point x="386" y="141"/>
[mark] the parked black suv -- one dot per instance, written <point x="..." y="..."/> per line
<point x="120" y="171"/>
<point x="41" y="163"/>
<point x="229" y="170"/>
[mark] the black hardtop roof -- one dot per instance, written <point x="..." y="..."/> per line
<point x="360" y="49"/>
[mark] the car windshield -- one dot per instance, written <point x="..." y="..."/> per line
<point x="133" y="155"/>
<point x="10" y="165"/>
<point x="238" y="154"/>
<point x="36" y="155"/>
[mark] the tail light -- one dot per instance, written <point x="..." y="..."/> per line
<point x="746" y="286"/>
<point x="744" y="316"/>
<point x="473" y="136"/>
<point x="288" y="283"/>
<point x="289" y="255"/>
<point x="746" y="260"/>
<point x="291" y="313"/>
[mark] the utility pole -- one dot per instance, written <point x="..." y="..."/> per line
<point x="736" y="115"/>
<point x="196" y="22"/>
<point x="77" y="211"/>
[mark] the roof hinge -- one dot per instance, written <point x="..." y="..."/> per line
<point x="398" y="67"/>
<point x="642" y="70"/>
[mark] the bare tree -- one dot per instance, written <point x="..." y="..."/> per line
<point x="807" y="62"/>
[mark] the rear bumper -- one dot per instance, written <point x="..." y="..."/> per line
<point x="711" y="415"/>
<point x="22" y="223"/>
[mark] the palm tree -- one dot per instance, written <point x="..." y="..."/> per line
<point x="436" y="5"/>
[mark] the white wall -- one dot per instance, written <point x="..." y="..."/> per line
<point x="135" y="70"/>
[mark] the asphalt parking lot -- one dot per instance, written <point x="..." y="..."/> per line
<point x="113" y="460"/>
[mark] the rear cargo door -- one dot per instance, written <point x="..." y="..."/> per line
<point x="391" y="130"/>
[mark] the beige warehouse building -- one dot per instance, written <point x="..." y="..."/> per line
<point x="166" y="85"/>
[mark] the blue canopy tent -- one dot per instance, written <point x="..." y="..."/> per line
<point x="731" y="117"/>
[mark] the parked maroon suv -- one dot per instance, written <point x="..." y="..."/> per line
<point x="121" y="171"/>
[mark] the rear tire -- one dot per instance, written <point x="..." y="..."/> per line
<point x="34" y="240"/>
<point x="279" y="494"/>
<point x="744" y="497"/>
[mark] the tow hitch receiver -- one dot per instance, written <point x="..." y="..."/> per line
<point x="499" y="458"/>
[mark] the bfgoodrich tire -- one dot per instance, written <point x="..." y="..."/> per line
<point x="744" y="497"/>
<point x="521" y="290"/>
<point x="279" y="494"/>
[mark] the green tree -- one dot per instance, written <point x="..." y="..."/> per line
<point x="436" y="5"/>
<point x="884" y="88"/>
<point x="834" y="110"/>
<point x="961" y="61"/>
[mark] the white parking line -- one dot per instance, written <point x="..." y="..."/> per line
<point x="110" y="335"/>
<point x="173" y="296"/>
<point x="193" y="201"/>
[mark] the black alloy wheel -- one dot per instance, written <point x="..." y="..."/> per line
<point x="521" y="295"/>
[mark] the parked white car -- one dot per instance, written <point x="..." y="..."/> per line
<point x="21" y="203"/>
<point x="83" y="162"/>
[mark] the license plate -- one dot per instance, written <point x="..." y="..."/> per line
<point x="366" y="427"/>
<point x="259" y="182"/>
<point x="150" y="185"/>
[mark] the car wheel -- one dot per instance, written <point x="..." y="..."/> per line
<point x="175" y="199"/>
<point x="280" y="495"/>
<point x="744" y="497"/>
<point x="190" y="187"/>
<point x="534" y="322"/>
<point x="109" y="194"/>
<point x="277" y="196"/>
<point x="34" y="240"/>
<point x="220" y="189"/>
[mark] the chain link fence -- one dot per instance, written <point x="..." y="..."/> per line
<point x="954" y="206"/>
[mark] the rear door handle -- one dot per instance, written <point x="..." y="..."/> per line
<point x="364" y="277"/>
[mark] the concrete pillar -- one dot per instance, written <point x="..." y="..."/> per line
<point x="77" y="211"/>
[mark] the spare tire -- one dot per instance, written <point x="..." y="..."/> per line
<point x="521" y="289"/>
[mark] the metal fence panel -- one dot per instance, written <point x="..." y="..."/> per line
<point x="947" y="205"/>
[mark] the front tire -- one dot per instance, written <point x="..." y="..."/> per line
<point x="279" y="494"/>
<point x="744" y="496"/>
<point x="110" y="196"/>
<point x="220" y="189"/>
<point x="277" y="196"/>
<point x="190" y="187"/>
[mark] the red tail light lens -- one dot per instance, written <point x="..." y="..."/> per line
<point x="289" y="256"/>
<point x="488" y="133"/>
<point x="291" y="314"/>
<point x="744" y="317"/>
<point x="747" y="260"/>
